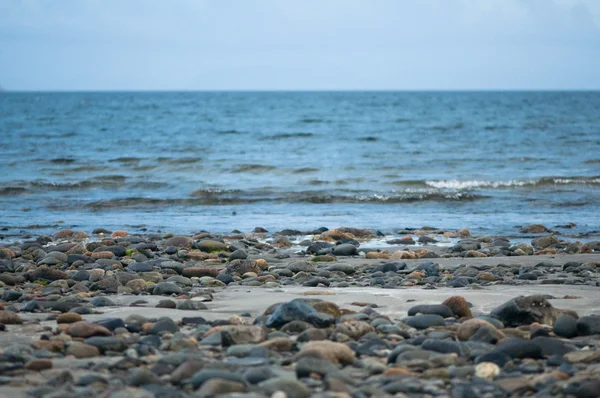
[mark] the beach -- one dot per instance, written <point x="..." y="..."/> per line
<point x="344" y="312"/>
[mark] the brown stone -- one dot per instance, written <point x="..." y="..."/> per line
<point x="39" y="364"/>
<point x="459" y="306"/>
<point x="397" y="371"/>
<point x="279" y="344"/>
<point x="471" y="326"/>
<point x="82" y="350"/>
<point x="119" y="234"/>
<point x="102" y="254"/>
<point x="50" y="345"/>
<point x="10" y="318"/>
<point x="87" y="329"/>
<point x="180" y="241"/>
<point x="217" y="387"/>
<point x="68" y="317"/>
<point x="334" y="352"/>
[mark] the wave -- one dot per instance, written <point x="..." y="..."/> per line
<point x="540" y="182"/>
<point x="253" y="168"/>
<point x="284" y="136"/>
<point x="216" y="197"/>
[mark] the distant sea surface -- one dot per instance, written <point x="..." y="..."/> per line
<point x="217" y="161"/>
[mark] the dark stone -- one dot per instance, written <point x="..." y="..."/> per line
<point x="524" y="310"/>
<point x="105" y="344"/>
<point x="519" y="348"/>
<point x="102" y="301"/>
<point x="11" y="295"/>
<point x="166" y="304"/>
<point x="424" y="321"/>
<point x="204" y="375"/>
<point x="390" y="267"/>
<point x="145" y="266"/>
<point x="431" y="269"/>
<point x="551" y="346"/>
<point x="111" y="323"/>
<point x="163" y="288"/>
<point x="461" y="281"/>
<point x="307" y="365"/>
<point x="318" y="248"/>
<point x="225" y="278"/>
<point x="439" y="309"/>
<point x="81" y="275"/>
<point x="164" y="324"/>
<point x="497" y="357"/>
<point x="297" y="309"/>
<point x="443" y="346"/>
<point x="31" y="306"/>
<point x="345" y="249"/>
<point x="588" y="325"/>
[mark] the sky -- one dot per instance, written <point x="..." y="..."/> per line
<point x="299" y="44"/>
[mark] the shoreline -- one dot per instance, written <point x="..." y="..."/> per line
<point x="169" y="307"/>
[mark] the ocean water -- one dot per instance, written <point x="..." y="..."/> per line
<point x="218" y="161"/>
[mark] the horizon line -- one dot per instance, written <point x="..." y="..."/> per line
<point x="5" y="90"/>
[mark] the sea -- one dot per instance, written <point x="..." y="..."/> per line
<point x="184" y="162"/>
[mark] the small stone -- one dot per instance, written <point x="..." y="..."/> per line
<point x="68" y="317"/>
<point x="39" y="364"/>
<point x="487" y="370"/>
<point x="291" y="387"/>
<point x="191" y="305"/>
<point x="217" y="387"/>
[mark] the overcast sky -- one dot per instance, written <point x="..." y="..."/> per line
<point x="299" y="44"/>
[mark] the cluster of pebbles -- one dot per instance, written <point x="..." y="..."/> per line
<point x="305" y="347"/>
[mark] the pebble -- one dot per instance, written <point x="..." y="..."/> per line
<point x="304" y="347"/>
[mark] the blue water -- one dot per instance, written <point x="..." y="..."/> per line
<point x="189" y="161"/>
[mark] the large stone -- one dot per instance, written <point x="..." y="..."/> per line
<point x="242" y="334"/>
<point x="105" y="344"/>
<point x="334" y="352"/>
<point x="440" y="309"/>
<point x="180" y="241"/>
<point x="519" y="348"/>
<point x="565" y="326"/>
<point x="290" y="387"/>
<point x="45" y="272"/>
<point x="525" y="310"/>
<point x="87" y="329"/>
<point x="424" y="321"/>
<point x="211" y="246"/>
<point x="468" y="328"/>
<point x="10" y="318"/>
<point x="544" y="241"/>
<point x="588" y="325"/>
<point x="166" y="288"/>
<point x="345" y="249"/>
<point x="242" y="266"/>
<point x="297" y="310"/>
